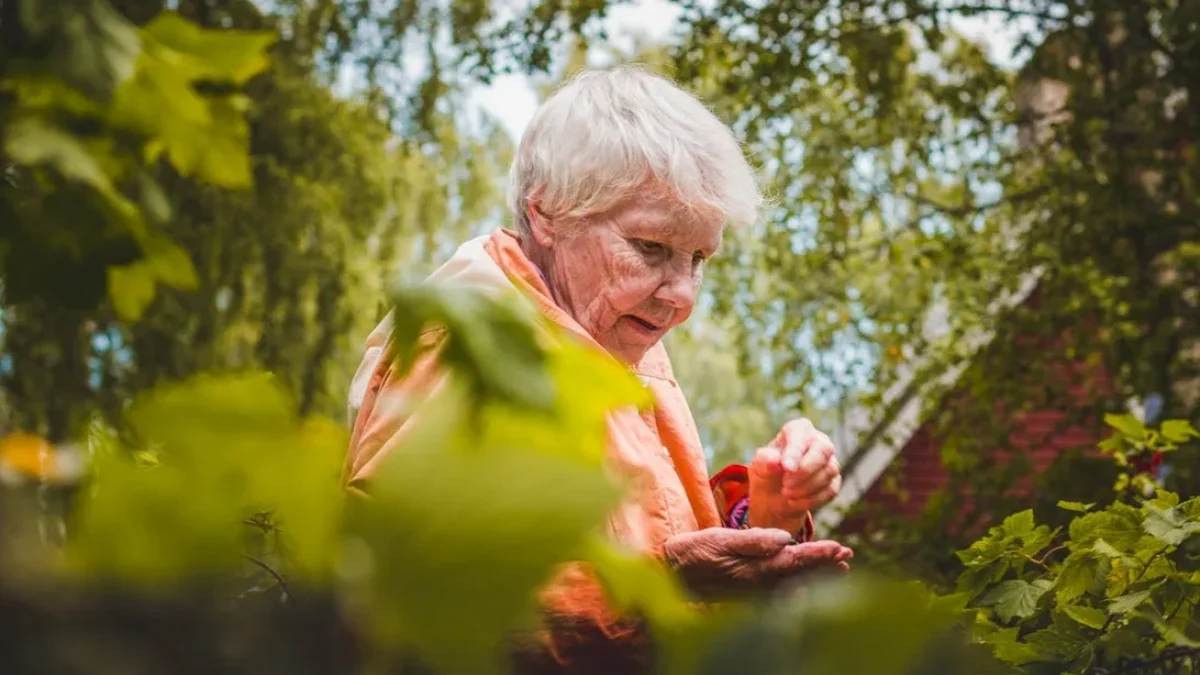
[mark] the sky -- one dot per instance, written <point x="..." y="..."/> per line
<point x="512" y="99"/>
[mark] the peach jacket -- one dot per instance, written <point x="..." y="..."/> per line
<point x="659" y="448"/>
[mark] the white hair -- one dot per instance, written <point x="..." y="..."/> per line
<point x="608" y="134"/>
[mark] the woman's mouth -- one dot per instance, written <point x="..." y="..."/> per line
<point x="642" y="324"/>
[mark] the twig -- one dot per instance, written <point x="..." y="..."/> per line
<point x="1175" y="611"/>
<point x="1047" y="554"/>
<point x="1145" y="568"/>
<point x="283" y="585"/>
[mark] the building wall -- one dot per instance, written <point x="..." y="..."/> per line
<point x="918" y="472"/>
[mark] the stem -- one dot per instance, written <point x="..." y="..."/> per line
<point x="1047" y="554"/>
<point x="1145" y="568"/>
<point x="268" y="569"/>
<point x="1175" y="611"/>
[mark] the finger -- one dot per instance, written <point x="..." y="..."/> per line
<point x="817" y="455"/>
<point x="767" y="463"/>
<point x="843" y="567"/>
<point x="795" y="429"/>
<point x="813" y="501"/>
<point x="793" y="441"/>
<point x="814" y="483"/>
<point x="822" y="481"/>
<point x="756" y="542"/>
<point x="801" y="557"/>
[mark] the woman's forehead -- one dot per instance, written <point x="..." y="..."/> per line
<point x="667" y="222"/>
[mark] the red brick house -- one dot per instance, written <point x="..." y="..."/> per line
<point x="895" y="462"/>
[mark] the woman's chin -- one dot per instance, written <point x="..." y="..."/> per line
<point x="633" y="340"/>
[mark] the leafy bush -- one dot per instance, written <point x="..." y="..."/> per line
<point x="1121" y="581"/>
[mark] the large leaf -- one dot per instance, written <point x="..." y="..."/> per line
<point x="1015" y="598"/>
<point x="1060" y="642"/>
<point x="1088" y="616"/>
<point x="226" y="448"/>
<point x="683" y="634"/>
<point x="1081" y="572"/>
<point x="203" y="135"/>
<point x="1128" y="602"/>
<point x="1006" y="646"/>
<point x="460" y="536"/>
<point x="491" y="342"/>
<point x="1119" y="525"/>
<point x="32" y="141"/>
<point x="1129" y="426"/>
<point x="131" y="289"/>
<point x="1179" y="431"/>
<point x="498" y="481"/>
<point x="1170" y="525"/>
<point x="215" y="55"/>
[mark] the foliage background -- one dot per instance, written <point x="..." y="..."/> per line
<point x="177" y="202"/>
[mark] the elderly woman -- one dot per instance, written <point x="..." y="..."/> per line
<point x="620" y="191"/>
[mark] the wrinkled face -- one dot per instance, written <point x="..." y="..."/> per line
<point x="631" y="274"/>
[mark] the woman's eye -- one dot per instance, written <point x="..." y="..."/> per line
<point x="650" y="247"/>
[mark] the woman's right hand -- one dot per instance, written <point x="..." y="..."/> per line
<point x="722" y="561"/>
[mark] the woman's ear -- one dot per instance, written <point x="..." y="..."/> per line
<point x="539" y="225"/>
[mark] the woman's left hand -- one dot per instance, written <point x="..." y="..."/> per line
<point x="794" y="475"/>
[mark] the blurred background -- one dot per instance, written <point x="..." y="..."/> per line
<point x="983" y="236"/>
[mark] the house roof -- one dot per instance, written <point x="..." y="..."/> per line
<point x="876" y="444"/>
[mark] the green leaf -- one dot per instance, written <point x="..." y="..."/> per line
<point x="1172" y="634"/>
<point x="1081" y="572"/>
<point x="982" y="552"/>
<point x="220" y="55"/>
<point x="1119" y="524"/>
<point x="221" y="441"/>
<point x="170" y="264"/>
<point x="1128" y="425"/>
<point x="491" y="342"/>
<point x="640" y="585"/>
<point x="1088" y="616"/>
<point x="1062" y="641"/>
<point x="1019" y="524"/>
<point x="1128" y="602"/>
<point x="1076" y="506"/>
<point x="131" y="289"/>
<point x="1107" y="550"/>
<point x="33" y="142"/>
<point x="1169" y="526"/>
<point x="1017" y="653"/>
<point x="1006" y="646"/>
<point x="424" y="586"/>
<point x="1015" y="598"/>
<point x="203" y="135"/>
<point x="225" y="159"/>
<point x="1178" y="431"/>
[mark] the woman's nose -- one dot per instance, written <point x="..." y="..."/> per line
<point x="678" y="290"/>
